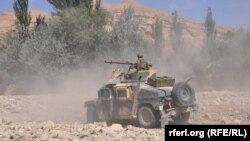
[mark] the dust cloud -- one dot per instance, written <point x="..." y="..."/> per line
<point x="62" y="98"/>
<point x="228" y="69"/>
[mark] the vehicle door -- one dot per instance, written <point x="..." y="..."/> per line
<point x="123" y="101"/>
<point x="105" y="102"/>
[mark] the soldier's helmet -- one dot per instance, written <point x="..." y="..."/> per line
<point x="139" y="55"/>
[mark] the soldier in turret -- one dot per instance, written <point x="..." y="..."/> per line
<point x="140" y="64"/>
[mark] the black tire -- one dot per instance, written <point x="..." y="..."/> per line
<point x="92" y="115"/>
<point x="146" y="117"/>
<point x="183" y="95"/>
<point x="109" y="122"/>
<point x="182" y="118"/>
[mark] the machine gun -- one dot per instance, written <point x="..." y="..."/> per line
<point x="138" y="66"/>
<point x="122" y="63"/>
<point x="132" y="65"/>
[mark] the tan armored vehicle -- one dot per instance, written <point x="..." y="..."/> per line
<point x="142" y="96"/>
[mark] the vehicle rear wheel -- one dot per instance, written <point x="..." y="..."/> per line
<point x="182" y="118"/>
<point x="146" y="117"/>
<point x="92" y="115"/>
<point x="109" y="122"/>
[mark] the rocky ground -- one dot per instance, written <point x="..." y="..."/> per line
<point x="49" y="131"/>
<point x="61" y="117"/>
<point x="223" y="107"/>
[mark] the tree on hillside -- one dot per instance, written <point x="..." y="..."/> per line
<point x="40" y="22"/>
<point x="210" y="37"/>
<point x="97" y="4"/>
<point x="158" y="36"/>
<point x="209" y="26"/>
<point x="126" y="35"/>
<point x="210" y="51"/>
<point x="73" y="39"/>
<point x="175" y="34"/>
<point x="83" y="34"/>
<point x="62" y="4"/>
<point x="22" y="14"/>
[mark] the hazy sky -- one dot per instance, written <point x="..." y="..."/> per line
<point x="226" y="12"/>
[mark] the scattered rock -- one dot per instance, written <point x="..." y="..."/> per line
<point x="207" y="116"/>
<point x="156" y="138"/>
<point x="21" y="131"/>
<point x="44" y="137"/>
<point x="11" y="137"/>
<point x="111" y="133"/>
<point x="116" y="127"/>
<point x="129" y="139"/>
<point x="6" y="121"/>
<point x="222" y="99"/>
<point x="248" y="116"/>
<point x="225" y="120"/>
<point x="101" y="124"/>
<point x="48" y="125"/>
<point x="237" y="121"/>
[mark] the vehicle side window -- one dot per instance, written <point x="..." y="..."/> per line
<point x="122" y="93"/>
<point x="104" y="93"/>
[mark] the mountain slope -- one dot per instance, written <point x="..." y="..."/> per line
<point x="193" y="32"/>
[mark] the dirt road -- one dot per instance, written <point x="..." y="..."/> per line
<point x="61" y="117"/>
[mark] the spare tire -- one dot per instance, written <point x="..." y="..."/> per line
<point x="183" y="95"/>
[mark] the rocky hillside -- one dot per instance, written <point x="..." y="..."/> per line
<point x="193" y="32"/>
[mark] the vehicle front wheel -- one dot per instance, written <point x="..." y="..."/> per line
<point x="92" y="115"/>
<point x="146" y="117"/>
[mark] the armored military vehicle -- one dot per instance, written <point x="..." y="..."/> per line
<point x="142" y="96"/>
